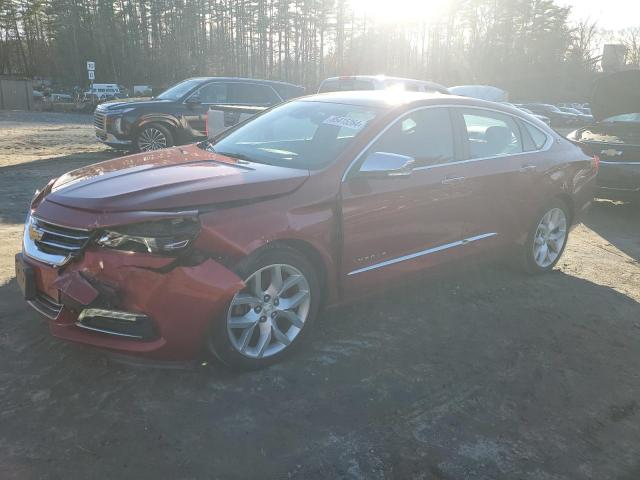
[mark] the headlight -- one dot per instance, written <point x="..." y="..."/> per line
<point x="165" y="236"/>
<point x="117" y="125"/>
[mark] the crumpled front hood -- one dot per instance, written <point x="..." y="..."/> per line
<point x="616" y="94"/>
<point x="169" y="179"/>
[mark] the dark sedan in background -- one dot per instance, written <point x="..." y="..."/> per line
<point x="615" y="137"/>
<point x="557" y="117"/>
<point x="179" y="114"/>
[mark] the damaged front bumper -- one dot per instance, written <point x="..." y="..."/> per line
<point x="130" y="302"/>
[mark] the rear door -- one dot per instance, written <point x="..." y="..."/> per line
<point x="394" y="225"/>
<point x="502" y="175"/>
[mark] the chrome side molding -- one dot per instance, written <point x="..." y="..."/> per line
<point x="422" y="253"/>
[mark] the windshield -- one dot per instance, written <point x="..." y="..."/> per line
<point x="299" y="134"/>
<point x="626" y="117"/>
<point x="179" y="89"/>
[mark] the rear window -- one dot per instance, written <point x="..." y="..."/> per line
<point x="345" y="85"/>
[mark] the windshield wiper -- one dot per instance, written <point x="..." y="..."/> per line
<point x="237" y="156"/>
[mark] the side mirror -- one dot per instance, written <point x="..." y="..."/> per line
<point x="193" y="100"/>
<point x="384" y="164"/>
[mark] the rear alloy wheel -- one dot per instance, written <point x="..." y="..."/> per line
<point x="154" y="137"/>
<point x="547" y="241"/>
<point x="269" y="315"/>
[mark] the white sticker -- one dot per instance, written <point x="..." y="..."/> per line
<point x="345" y="122"/>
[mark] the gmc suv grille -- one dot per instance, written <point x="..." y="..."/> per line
<point x="99" y="121"/>
<point x="56" y="240"/>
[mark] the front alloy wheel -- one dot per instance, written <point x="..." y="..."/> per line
<point x="268" y="317"/>
<point x="270" y="312"/>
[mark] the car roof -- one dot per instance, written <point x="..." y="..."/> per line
<point x="390" y="99"/>
<point x="244" y="79"/>
<point x="385" y="78"/>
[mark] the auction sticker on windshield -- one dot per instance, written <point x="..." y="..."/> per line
<point x="345" y="122"/>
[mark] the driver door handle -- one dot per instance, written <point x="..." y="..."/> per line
<point x="452" y="180"/>
<point x="527" y="168"/>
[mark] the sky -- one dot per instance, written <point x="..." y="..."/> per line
<point x="610" y="14"/>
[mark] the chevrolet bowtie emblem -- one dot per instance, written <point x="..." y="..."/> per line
<point x="35" y="233"/>
<point x="611" y="153"/>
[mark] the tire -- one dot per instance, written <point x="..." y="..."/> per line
<point x="543" y="248"/>
<point x="257" y="332"/>
<point x="153" y="136"/>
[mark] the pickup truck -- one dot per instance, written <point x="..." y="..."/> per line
<point x="179" y="115"/>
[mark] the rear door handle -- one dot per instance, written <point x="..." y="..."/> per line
<point x="527" y="168"/>
<point x="452" y="180"/>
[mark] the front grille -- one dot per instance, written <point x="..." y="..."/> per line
<point x="100" y="120"/>
<point x="56" y="240"/>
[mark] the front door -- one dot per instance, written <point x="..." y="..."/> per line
<point x="394" y="225"/>
<point x="198" y="105"/>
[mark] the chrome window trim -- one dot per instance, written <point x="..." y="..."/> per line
<point x="546" y="146"/>
<point x="422" y="253"/>
<point x="619" y="163"/>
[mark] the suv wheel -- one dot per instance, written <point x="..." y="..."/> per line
<point x="266" y="319"/>
<point x="153" y="137"/>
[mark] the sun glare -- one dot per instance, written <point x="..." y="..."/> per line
<point x="399" y="10"/>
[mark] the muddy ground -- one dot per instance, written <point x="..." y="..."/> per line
<point x="483" y="373"/>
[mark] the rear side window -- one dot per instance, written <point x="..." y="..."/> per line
<point x="538" y="137"/>
<point x="425" y="135"/>
<point x="491" y="134"/>
<point x="252" y="94"/>
<point x="288" y="92"/>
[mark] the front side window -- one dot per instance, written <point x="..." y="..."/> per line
<point x="179" y="90"/>
<point x="299" y="134"/>
<point x="425" y="135"/>
<point x="491" y="134"/>
<point x="212" y="93"/>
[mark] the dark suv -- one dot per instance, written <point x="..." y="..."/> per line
<point x="178" y="115"/>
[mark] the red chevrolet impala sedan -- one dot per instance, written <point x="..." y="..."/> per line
<point x="232" y="246"/>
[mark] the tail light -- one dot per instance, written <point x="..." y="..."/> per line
<point x="595" y="162"/>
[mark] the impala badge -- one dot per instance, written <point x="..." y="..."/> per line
<point x="611" y="153"/>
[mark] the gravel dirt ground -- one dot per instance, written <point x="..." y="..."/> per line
<point x="482" y="373"/>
